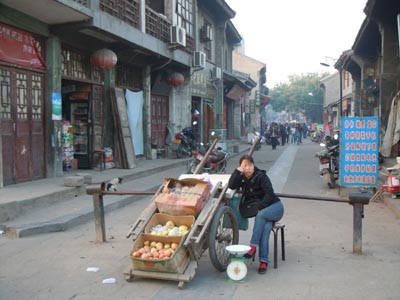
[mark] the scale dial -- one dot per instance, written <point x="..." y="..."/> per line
<point x="237" y="270"/>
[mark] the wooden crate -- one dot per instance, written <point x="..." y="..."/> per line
<point x="177" y="263"/>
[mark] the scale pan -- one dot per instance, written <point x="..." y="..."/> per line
<point x="237" y="249"/>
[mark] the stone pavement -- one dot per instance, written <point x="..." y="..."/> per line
<point x="21" y="205"/>
<point x="47" y="205"/>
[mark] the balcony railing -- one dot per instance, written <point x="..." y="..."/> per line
<point x="157" y="25"/>
<point x="125" y="10"/>
<point x="83" y="2"/>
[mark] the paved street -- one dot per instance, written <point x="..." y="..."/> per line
<point x="319" y="262"/>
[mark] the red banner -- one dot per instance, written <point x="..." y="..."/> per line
<point x="19" y="47"/>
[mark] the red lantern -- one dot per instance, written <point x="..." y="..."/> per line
<point x="104" y="59"/>
<point x="175" y="79"/>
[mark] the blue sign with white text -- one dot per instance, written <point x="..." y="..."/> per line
<point x="359" y="142"/>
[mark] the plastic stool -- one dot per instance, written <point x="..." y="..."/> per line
<point x="275" y="228"/>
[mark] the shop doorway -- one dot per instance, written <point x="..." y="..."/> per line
<point x="22" y="122"/>
<point x="159" y="120"/>
<point x="82" y="120"/>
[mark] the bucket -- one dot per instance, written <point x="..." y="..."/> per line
<point x="153" y="153"/>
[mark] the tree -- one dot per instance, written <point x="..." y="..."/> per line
<point x="301" y="94"/>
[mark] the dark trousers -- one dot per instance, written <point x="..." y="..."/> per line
<point x="273" y="142"/>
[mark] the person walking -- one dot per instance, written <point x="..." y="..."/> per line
<point x="293" y="134"/>
<point x="282" y="133"/>
<point x="257" y="187"/>
<point x="297" y="135"/>
<point x="287" y="128"/>
<point x="273" y="133"/>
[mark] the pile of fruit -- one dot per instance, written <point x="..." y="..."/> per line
<point x="152" y="250"/>
<point x="169" y="229"/>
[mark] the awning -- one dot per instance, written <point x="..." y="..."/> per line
<point x="236" y="92"/>
<point x="264" y="99"/>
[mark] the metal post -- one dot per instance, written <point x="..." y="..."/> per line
<point x="357" y="227"/>
<point x="358" y="200"/>
<point x="98" y="210"/>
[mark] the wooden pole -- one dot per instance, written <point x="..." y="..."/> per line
<point x="205" y="158"/>
<point x="253" y="147"/>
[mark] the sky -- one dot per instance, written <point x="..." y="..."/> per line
<point x="295" y="36"/>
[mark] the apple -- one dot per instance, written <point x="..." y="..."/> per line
<point x="159" y="246"/>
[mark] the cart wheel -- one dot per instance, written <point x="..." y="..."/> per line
<point x="224" y="231"/>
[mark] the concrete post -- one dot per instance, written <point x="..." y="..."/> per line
<point x="54" y="131"/>
<point x="358" y="200"/>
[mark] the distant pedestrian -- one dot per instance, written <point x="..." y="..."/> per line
<point x="297" y="135"/>
<point x="293" y="134"/>
<point x="282" y="132"/>
<point x="274" y="134"/>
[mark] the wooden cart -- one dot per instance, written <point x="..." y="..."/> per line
<point x="214" y="228"/>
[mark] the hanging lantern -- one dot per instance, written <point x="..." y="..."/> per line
<point x="175" y="79"/>
<point x="104" y="59"/>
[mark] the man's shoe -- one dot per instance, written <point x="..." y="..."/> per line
<point x="262" y="269"/>
<point x="251" y="253"/>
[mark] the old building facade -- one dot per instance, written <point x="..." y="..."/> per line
<point x="72" y="62"/>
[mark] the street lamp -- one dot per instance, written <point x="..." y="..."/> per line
<point x="339" y="67"/>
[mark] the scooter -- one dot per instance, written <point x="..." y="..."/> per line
<point x="216" y="162"/>
<point x="185" y="142"/>
<point x="329" y="162"/>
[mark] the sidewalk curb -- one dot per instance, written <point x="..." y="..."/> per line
<point x="86" y="214"/>
<point x="68" y="221"/>
<point x="12" y="210"/>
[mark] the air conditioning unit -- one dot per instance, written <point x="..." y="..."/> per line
<point x="199" y="59"/>
<point x="216" y="73"/>
<point x="178" y="36"/>
<point x="206" y="33"/>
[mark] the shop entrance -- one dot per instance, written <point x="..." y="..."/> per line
<point x="22" y="123"/>
<point x="159" y="119"/>
<point x="82" y="123"/>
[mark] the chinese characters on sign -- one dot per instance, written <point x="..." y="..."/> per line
<point x="359" y="151"/>
<point x="252" y="106"/>
<point x="19" y="47"/>
<point x="199" y="84"/>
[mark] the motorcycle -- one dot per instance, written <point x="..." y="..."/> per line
<point x="185" y="142"/>
<point x="316" y="136"/>
<point x="329" y="161"/>
<point x="216" y="162"/>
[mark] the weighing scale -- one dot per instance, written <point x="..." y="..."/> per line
<point x="237" y="269"/>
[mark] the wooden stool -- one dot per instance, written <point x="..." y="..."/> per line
<point x="275" y="229"/>
<point x="100" y="155"/>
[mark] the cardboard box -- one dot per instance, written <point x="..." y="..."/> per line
<point x="177" y="263"/>
<point x="164" y="218"/>
<point x="185" y="200"/>
<point x="75" y="165"/>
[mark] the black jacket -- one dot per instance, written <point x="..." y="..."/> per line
<point x="258" y="186"/>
